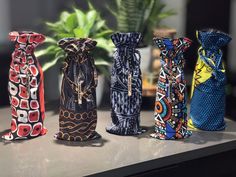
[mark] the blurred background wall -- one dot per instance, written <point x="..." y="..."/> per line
<point x="4" y="19"/>
<point x="232" y="29"/>
<point x="177" y="21"/>
<point x="191" y="15"/>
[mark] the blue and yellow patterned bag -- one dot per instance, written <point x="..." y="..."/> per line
<point x="207" y="107"/>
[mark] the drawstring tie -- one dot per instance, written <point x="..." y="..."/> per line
<point x="129" y="54"/>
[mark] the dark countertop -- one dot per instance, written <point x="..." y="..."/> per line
<point x="109" y="156"/>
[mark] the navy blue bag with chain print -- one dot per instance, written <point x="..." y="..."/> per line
<point x="78" y="111"/>
<point x="126" y="85"/>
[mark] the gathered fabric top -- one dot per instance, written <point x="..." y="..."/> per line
<point x="172" y="51"/>
<point x="212" y="39"/>
<point x="130" y="40"/>
<point x="76" y="46"/>
<point x="25" y="38"/>
<point x="174" y="45"/>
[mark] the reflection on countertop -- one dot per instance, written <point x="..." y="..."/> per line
<point x="44" y="156"/>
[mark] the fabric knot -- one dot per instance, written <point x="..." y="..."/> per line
<point x="212" y="39"/>
<point x="130" y="40"/>
<point x="172" y="46"/>
<point x="25" y="38"/>
<point x="172" y="50"/>
<point x="73" y="46"/>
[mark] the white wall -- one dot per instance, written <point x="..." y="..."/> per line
<point x="4" y="20"/>
<point x="177" y="21"/>
<point x="232" y="46"/>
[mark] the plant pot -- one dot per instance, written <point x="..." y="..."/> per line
<point x="145" y="53"/>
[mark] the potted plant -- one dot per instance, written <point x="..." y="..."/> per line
<point x="79" y="24"/>
<point x="141" y="16"/>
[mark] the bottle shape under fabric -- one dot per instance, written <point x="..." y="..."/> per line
<point x="25" y="87"/>
<point x="78" y="109"/>
<point x="126" y="85"/>
<point x="170" y="106"/>
<point x="207" y="107"/>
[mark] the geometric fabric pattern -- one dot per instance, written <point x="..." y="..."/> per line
<point x="126" y="85"/>
<point x="78" y="109"/>
<point x="207" y="108"/>
<point x="25" y="86"/>
<point x="170" y="105"/>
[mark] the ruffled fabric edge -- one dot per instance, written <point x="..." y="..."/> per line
<point x="212" y="39"/>
<point x="26" y="37"/>
<point x="130" y="39"/>
<point x="171" y="44"/>
<point x="74" y="45"/>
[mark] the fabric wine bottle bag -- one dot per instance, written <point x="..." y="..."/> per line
<point x="26" y="89"/>
<point x="78" y="109"/>
<point x="207" y="108"/>
<point x="126" y="85"/>
<point x="170" y="105"/>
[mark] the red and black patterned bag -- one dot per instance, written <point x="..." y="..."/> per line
<point x="26" y="90"/>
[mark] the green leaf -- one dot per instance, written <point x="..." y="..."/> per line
<point x="71" y="22"/>
<point x="105" y="44"/>
<point x="50" y="40"/>
<point x="51" y="63"/>
<point x="81" y="18"/>
<point x="64" y="16"/>
<point x="80" y="33"/>
<point x="118" y="2"/>
<point x="90" y="6"/>
<point x="97" y="26"/>
<point x="113" y="12"/>
<point x="100" y="61"/>
<point x="40" y="53"/>
<point x="140" y="15"/>
<point x="65" y="35"/>
<point x="53" y="25"/>
<point x="49" y="50"/>
<point x="56" y="27"/>
<point x="104" y="33"/>
<point x="166" y="14"/>
<point x="91" y="17"/>
<point x="78" y="24"/>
